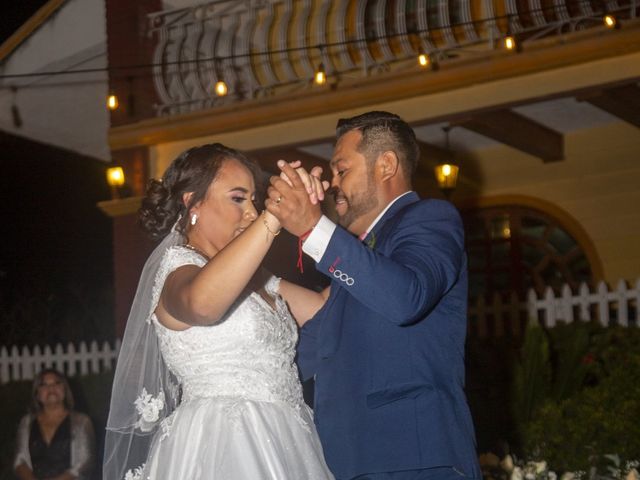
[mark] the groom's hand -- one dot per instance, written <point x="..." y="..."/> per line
<point x="312" y="181"/>
<point x="291" y="203"/>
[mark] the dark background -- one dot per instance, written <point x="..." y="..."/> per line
<point x="15" y="13"/>
<point x="55" y="259"/>
<point x="56" y="255"/>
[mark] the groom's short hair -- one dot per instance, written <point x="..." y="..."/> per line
<point x="382" y="131"/>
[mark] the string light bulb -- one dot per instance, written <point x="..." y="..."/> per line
<point x="610" y="21"/>
<point x="510" y="42"/>
<point x="112" y="101"/>
<point x="320" y="77"/>
<point x="423" y="60"/>
<point x="15" y="112"/>
<point x="221" y="88"/>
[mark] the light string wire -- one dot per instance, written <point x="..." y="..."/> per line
<point x="329" y="45"/>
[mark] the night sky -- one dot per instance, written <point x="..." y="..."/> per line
<point x="56" y="257"/>
<point x="15" y="13"/>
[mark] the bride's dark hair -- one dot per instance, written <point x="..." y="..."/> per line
<point x="193" y="171"/>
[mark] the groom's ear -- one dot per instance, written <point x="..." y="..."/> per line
<point x="387" y="165"/>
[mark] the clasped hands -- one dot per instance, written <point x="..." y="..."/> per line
<point x="294" y="197"/>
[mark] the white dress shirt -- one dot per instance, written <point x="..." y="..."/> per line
<point x="316" y="243"/>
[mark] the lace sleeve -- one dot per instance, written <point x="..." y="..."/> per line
<point x="173" y="258"/>
<point x="83" y="446"/>
<point x="272" y="287"/>
<point x="22" y="443"/>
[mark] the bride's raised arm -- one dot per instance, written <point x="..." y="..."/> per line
<point x="201" y="296"/>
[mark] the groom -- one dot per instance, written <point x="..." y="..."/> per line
<point x="387" y="346"/>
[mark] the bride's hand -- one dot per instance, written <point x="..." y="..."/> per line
<point x="311" y="180"/>
<point x="271" y="222"/>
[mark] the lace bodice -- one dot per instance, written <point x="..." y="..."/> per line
<point x="247" y="355"/>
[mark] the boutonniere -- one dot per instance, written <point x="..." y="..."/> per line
<point x="372" y="241"/>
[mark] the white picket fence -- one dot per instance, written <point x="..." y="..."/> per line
<point x="497" y="318"/>
<point x="25" y="363"/>
<point x="508" y="317"/>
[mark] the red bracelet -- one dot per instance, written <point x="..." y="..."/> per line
<point x="301" y="240"/>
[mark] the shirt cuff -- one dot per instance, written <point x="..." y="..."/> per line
<point x="316" y="243"/>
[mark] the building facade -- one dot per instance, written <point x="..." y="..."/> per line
<point x="546" y="134"/>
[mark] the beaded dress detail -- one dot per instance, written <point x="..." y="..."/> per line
<point x="241" y="414"/>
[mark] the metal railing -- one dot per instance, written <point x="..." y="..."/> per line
<point x="270" y="47"/>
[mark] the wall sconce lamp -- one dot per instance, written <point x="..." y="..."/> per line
<point x="447" y="172"/>
<point x="115" y="179"/>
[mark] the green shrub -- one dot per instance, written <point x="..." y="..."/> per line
<point x="593" y="405"/>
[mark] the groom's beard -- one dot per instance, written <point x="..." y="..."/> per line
<point x="359" y="204"/>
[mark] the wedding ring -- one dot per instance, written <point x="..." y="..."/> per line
<point x="278" y="200"/>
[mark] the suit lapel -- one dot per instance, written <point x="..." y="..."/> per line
<point x="373" y="237"/>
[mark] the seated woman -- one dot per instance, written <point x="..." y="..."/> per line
<point x="53" y="441"/>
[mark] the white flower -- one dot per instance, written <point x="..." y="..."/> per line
<point x="568" y="476"/>
<point x="149" y="409"/>
<point x="516" y="474"/>
<point x="633" y="475"/>
<point x="135" y="474"/>
<point x="507" y="463"/>
<point x="540" y="466"/>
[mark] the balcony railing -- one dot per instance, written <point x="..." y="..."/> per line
<point x="268" y="47"/>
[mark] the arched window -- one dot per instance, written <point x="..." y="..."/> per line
<point x="515" y="248"/>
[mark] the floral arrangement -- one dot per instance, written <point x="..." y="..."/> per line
<point x="510" y="468"/>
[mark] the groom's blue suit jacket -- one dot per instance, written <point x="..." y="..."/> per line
<point x="387" y="348"/>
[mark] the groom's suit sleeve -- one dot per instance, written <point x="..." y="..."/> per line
<point x="307" y="358"/>
<point x="423" y="262"/>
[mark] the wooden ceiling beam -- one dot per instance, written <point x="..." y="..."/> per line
<point x="433" y="154"/>
<point x="517" y="131"/>
<point x="622" y="102"/>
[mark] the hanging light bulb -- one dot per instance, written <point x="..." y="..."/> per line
<point x="447" y="172"/>
<point x="320" y="77"/>
<point x="221" y="88"/>
<point x="426" y="60"/>
<point x="510" y="42"/>
<point x="112" y="101"/>
<point x="447" y="177"/>
<point x="15" y="112"/>
<point x="610" y="21"/>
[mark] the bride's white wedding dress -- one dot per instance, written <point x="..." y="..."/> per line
<point x="241" y="415"/>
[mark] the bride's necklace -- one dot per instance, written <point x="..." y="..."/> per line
<point x="197" y="250"/>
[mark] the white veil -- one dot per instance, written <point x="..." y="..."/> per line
<point x="144" y="391"/>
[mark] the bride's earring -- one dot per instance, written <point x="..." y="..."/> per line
<point x="194" y="218"/>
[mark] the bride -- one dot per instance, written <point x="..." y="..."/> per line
<point x="205" y="386"/>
